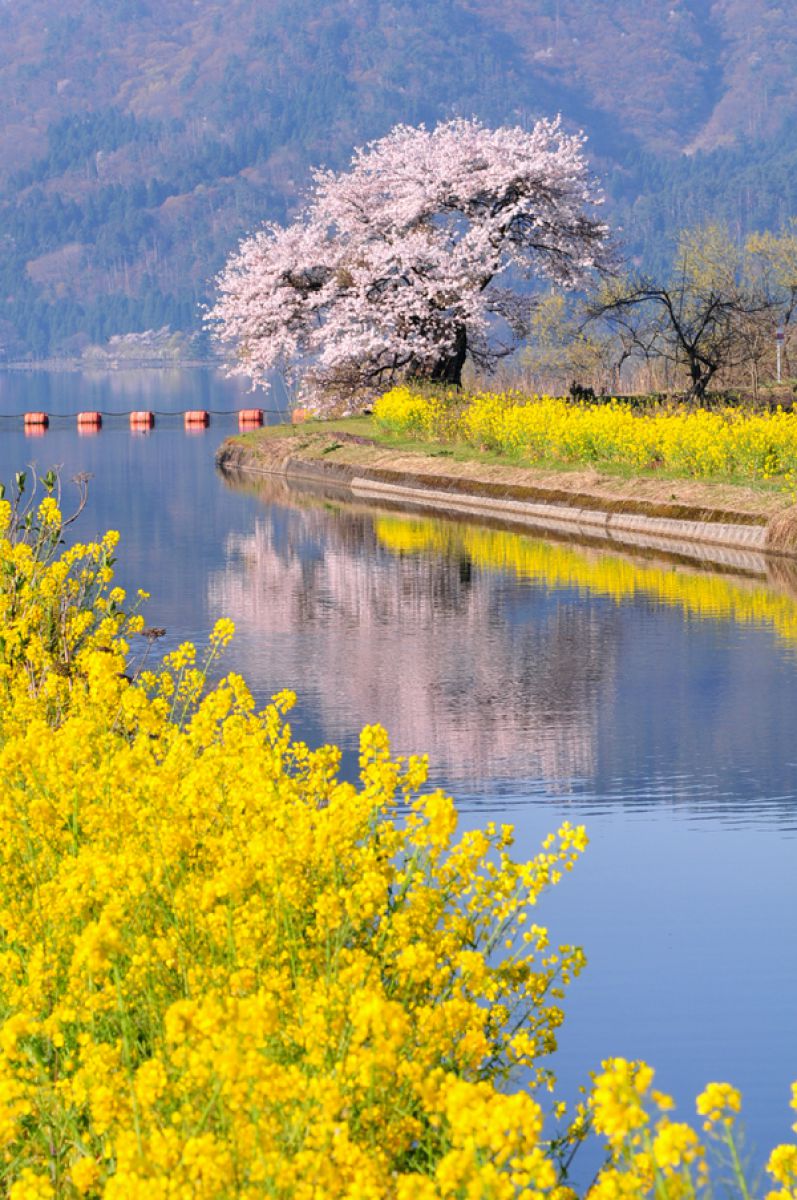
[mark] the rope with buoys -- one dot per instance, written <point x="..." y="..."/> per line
<point x="91" y="421"/>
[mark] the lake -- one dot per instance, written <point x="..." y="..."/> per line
<point x="651" y="700"/>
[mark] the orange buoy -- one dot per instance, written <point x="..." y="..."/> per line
<point x="300" y="414"/>
<point x="196" y="416"/>
<point x="89" y="421"/>
<point x="249" y="417"/>
<point x="142" y="420"/>
<point x="36" y="420"/>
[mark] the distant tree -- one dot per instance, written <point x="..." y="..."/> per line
<point x="773" y="258"/>
<point x="395" y="267"/>
<point x="710" y="317"/>
<point x="562" y="348"/>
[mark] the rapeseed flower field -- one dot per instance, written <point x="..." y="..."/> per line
<point x="698" y="444"/>
<point x="226" y="972"/>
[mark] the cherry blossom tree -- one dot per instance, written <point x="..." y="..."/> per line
<point x="404" y="264"/>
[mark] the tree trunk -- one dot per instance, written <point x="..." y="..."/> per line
<point x="449" y="368"/>
<point x="701" y="377"/>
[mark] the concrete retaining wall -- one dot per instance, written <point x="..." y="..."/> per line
<point x="530" y="500"/>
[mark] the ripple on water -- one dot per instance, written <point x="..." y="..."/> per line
<point x="649" y="699"/>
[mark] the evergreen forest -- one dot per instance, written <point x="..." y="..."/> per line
<point x="139" y="142"/>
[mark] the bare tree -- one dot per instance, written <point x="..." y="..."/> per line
<point x="708" y="319"/>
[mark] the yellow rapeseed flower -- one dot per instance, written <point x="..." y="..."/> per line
<point x="225" y="971"/>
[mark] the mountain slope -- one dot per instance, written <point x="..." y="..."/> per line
<point x="139" y="140"/>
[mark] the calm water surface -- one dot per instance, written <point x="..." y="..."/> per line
<point x="654" y="702"/>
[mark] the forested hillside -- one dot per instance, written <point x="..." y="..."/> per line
<point x="139" y="140"/>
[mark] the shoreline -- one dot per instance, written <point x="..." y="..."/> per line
<point x="74" y="365"/>
<point x="624" y="511"/>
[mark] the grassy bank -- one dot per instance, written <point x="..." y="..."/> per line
<point x="389" y="436"/>
<point x="359" y="452"/>
<point x="694" y="466"/>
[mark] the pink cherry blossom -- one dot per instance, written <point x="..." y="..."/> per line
<point x="411" y="261"/>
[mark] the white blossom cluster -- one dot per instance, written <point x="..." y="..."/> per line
<point x="394" y="268"/>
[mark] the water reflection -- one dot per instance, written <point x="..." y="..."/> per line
<point x="524" y="667"/>
<point x="652" y="699"/>
<point x="420" y="642"/>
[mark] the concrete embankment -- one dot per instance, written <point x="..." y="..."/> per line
<point x="636" y="511"/>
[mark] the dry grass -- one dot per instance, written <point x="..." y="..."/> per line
<point x="332" y="443"/>
<point x="782" y="531"/>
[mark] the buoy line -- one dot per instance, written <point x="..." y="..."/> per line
<point x="36" y="422"/>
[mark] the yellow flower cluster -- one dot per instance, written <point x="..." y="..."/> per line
<point x="701" y="596"/>
<point x="225" y="972"/>
<point x="652" y="1155"/>
<point x="544" y="428"/>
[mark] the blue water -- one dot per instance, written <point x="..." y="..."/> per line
<point x="671" y="737"/>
